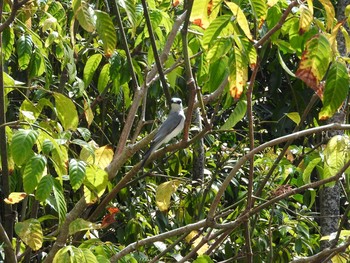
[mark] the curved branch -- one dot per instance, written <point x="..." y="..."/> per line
<point x="240" y="162"/>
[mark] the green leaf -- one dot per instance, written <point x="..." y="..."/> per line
<point x="294" y="116"/>
<point x="29" y="111"/>
<point x="284" y="66"/>
<point x="335" y="155"/>
<point x="203" y="259"/>
<point x="74" y="255"/>
<point x="8" y="41"/>
<point x="66" y="112"/>
<point x="80" y="224"/>
<point x="214" y="30"/>
<point x="237" y="115"/>
<point x="44" y="188"/>
<point x="130" y="9"/>
<point x="336" y="90"/>
<point x="30" y="232"/>
<point x="314" y="62"/>
<point x="84" y="14"/>
<point x="217" y="73"/>
<point x="220" y="48"/>
<point x="104" y="78"/>
<point x="90" y="68"/>
<point x="37" y="64"/>
<point x="33" y="172"/>
<point x="77" y="170"/>
<point x="309" y="168"/>
<point x="60" y="202"/>
<point x="24" y="51"/>
<point x="57" y="11"/>
<point x="259" y="9"/>
<point x="21" y="146"/>
<point x="95" y="183"/>
<point x="106" y="32"/>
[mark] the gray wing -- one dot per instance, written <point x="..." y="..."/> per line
<point x="167" y="127"/>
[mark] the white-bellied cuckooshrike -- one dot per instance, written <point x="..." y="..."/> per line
<point x="171" y="127"/>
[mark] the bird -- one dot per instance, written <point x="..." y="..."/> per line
<point x="169" y="129"/>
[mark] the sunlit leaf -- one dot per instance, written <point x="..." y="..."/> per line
<point x="30" y="232"/>
<point x="314" y="62"/>
<point x="237" y="115"/>
<point x="24" y="51"/>
<point x="8" y="42"/>
<point x="90" y="68"/>
<point x="309" y="168"/>
<point x="84" y="14"/>
<point x="330" y="13"/>
<point x="89" y="115"/>
<point x="104" y="78"/>
<point x="80" y="224"/>
<point x="195" y="238"/>
<point x="37" y="64"/>
<point x="15" y="197"/>
<point x="164" y="192"/>
<point x="259" y="9"/>
<point x="44" y="188"/>
<point x="106" y="32"/>
<point x="60" y="202"/>
<point x="203" y="259"/>
<point x="239" y="75"/>
<point x="95" y="183"/>
<point x="336" y="90"/>
<point x="102" y="156"/>
<point x="335" y="155"/>
<point x="306" y="18"/>
<point x="74" y="255"/>
<point x="66" y="112"/>
<point x="33" y="172"/>
<point x="214" y="30"/>
<point x="21" y="146"/>
<point x="240" y="18"/>
<point x="294" y="116"/>
<point x="77" y="170"/>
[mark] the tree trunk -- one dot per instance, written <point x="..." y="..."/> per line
<point x="330" y="196"/>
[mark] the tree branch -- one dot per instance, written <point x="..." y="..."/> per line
<point x="241" y="161"/>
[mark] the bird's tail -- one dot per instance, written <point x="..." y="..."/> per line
<point x="145" y="157"/>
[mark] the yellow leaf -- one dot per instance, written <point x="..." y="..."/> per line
<point x="95" y="183"/>
<point x="271" y="3"/>
<point x="238" y="77"/>
<point x="305" y="20"/>
<point x="189" y="238"/>
<point x="164" y="192"/>
<point x="294" y="116"/>
<point x="240" y="18"/>
<point x="103" y="156"/>
<point x="330" y="13"/>
<point x="15" y="198"/>
<point x="89" y="116"/>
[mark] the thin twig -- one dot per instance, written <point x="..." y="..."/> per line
<point x="155" y="53"/>
<point x="126" y="47"/>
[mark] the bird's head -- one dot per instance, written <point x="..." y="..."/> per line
<point x="176" y="104"/>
